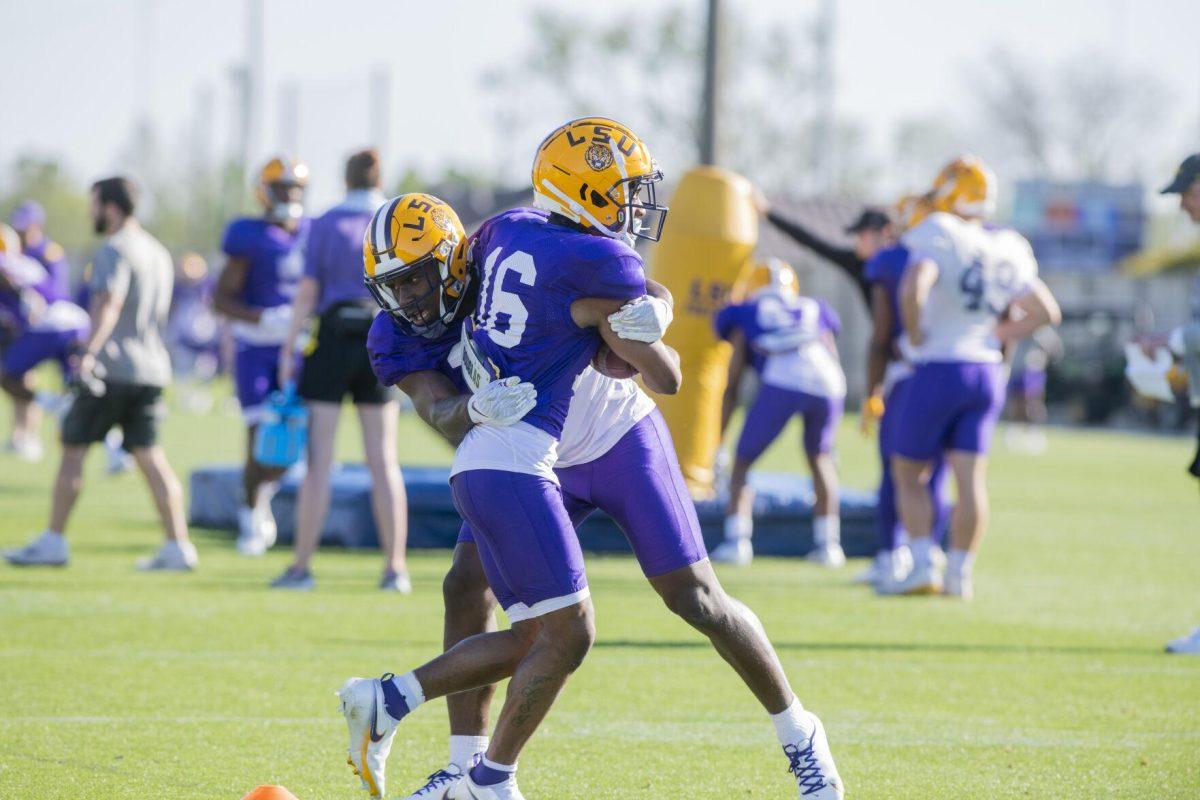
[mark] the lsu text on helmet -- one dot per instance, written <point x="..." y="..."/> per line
<point x="415" y="261"/>
<point x="599" y="174"/>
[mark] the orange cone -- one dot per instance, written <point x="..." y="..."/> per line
<point x="270" y="793"/>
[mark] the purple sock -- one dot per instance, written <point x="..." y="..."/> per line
<point x="485" y="773"/>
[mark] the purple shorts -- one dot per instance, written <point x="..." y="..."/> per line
<point x="772" y="410"/>
<point x="33" y="347"/>
<point x="639" y="484"/>
<point x="528" y="547"/>
<point x="256" y="375"/>
<point x="1027" y="383"/>
<point x="949" y="406"/>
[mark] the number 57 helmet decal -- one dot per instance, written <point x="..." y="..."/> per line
<point x="599" y="174"/>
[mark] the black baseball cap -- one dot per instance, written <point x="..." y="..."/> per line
<point x="871" y="219"/>
<point x="1185" y="176"/>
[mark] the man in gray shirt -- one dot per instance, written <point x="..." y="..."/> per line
<point x="121" y="371"/>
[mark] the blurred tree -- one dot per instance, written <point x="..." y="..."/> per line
<point x="44" y="179"/>
<point x="1083" y="118"/>
<point x="649" y="75"/>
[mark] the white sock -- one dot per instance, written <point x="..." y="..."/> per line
<point x="265" y="492"/>
<point x="960" y="562"/>
<point x="410" y="689"/>
<point x="792" y="724"/>
<point x="921" y="548"/>
<point x="738" y="527"/>
<point x="496" y="765"/>
<point x="827" y="531"/>
<point x="463" y="750"/>
<point x="903" y="539"/>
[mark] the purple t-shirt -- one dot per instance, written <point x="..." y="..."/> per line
<point x="531" y="270"/>
<point x="54" y="260"/>
<point x="886" y="268"/>
<point x="273" y="257"/>
<point x="770" y="318"/>
<point x="333" y="255"/>
<point x="395" y="351"/>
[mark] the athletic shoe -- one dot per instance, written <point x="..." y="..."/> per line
<point x="921" y="579"/>
<point x="268" y="531"/>
<point x="878" y="566"/>
<point x="371" y="730"/>
<point x="47" y="550"/>
<point x="733" y="551"/>
<point x="439" y="784"/>
<point x="398" y="582"/>
<point x="26" y="448"/>
<point x="811" y="763"/>
<point x="959" y="585"/>
<point x="171" y="557"/>
<point x="829" y="555"/>
<point x="467" y="789"/>
<point x="249" y="542"/>
<point x="1186" y="645"/>
<point x="295" y="580"/>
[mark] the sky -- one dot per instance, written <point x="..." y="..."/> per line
<point x="81" y="72"/>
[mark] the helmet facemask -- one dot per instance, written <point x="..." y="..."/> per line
<point x="284" y="201"/>
<point x="639" y="216"/>
<point x="423" y="294"/>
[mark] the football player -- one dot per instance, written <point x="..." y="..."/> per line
<point x="614" y="453"/>
<point x="969" y="290"/>
<point x="888" y="373"/>
<point x="788" y="340"/>
<point x="29" y="221"/>
<point x="38" y="324"/>
<point x="263" y="266"/>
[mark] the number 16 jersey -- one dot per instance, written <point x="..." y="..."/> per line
<point x="981" y="271"/>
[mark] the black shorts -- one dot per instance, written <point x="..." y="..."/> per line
<point x="339" y="364"/>
<point x="136" y="408"/>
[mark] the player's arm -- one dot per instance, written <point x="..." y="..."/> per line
<point x="104" y="310"/>
<point x="439" y="403"/>
<point x="879" y="350"/>
<point x="914" y="294"/>
<point x="842" y="257"/>
<point x="737" y="366"/>
<point x="656" y="289"/>
<point x="228" y="294"/>
<point x="1037" y="306"/>
<point x="657" y="363"/>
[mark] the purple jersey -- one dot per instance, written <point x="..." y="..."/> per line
<point x="773" y="322"/>
<point x="333" y="254"/>
<point x="531" y="270"/>
<point x="274" y="262"/>
<point x="54" y="260"/>
<point x="396" y="352"/>
<point x="886" y="269"/>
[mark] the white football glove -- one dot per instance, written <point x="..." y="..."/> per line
<point x="274" y="322"/>
<point x="645" y="319"/>
<point x="502" y="402"/>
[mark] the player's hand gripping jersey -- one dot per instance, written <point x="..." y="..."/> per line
<point x="981" y="271"/>
<point x="784" y="334"/>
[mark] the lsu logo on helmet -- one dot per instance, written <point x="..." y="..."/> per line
<point x="965" y="187"/>
<point x="415" y="261"/>
<point x="599" y="174"/>
<point x="280" y="188"/>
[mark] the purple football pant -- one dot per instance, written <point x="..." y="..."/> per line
<point x="774" y="407"/>
<point x="33" y="347"/>
<point x="639" y="484"/>
<point x="256" y="376"/>
<point x="951" y="406"/>
<point x="887" y="517"/>
<point x="525" y="539"/>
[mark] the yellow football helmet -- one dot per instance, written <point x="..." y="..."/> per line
<point x="415" y="253"/>
<point x="599" y="174"/>
<point x="280" y="188"/>
<point x="10" y="242"/>
<point x="912" y="208"/>
<point x="771" y="274"/>
<point x="965" y="187"/>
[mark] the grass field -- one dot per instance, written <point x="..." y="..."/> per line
<point x="1051" y="684"/>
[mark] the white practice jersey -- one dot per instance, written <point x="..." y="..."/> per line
<point x="980" y="272"/>
<point x="602" y="410"/>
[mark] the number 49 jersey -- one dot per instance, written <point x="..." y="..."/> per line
<point x="531" y="270"/>
<point x="981" y="271"/>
